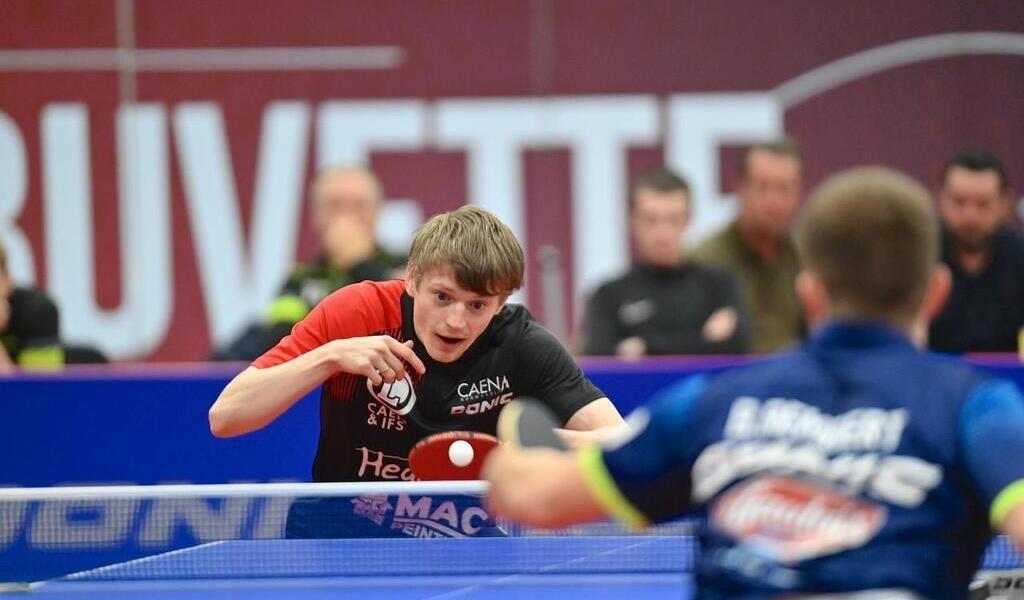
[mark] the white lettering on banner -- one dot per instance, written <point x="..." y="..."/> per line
<point x="96" y="523"/>
<point x="697" y="125"/>
<point x="600" y="130"/>
<point x="348" y="131"/>
<point x="206" y="522"/>
<point x="271" y="519"/>
<point x="82" y="523"/>
<point x="13" y="188"/>
<point x="494" y="133"/>
<point x="238" y="280"/>
<point x="235" y="288"/>
<point x="141" y="322"/>
<point x="12" y="515"/>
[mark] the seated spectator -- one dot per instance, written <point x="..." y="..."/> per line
<point x="28" y="326"/>
<point x="757" y="245"/>
<point x="665" y="304"/>
<point x="985" y="310"/>
<point x="345" y="205"/>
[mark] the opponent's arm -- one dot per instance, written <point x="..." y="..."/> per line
<point x="990" y="430"/>
<point x="547" y="488"/>
<point x="255" y="397"/>
<point x="539" y="487"/>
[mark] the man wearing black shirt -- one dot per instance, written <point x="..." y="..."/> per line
<point x="28" y="326"/>
<point x="665" y="304"/>
<point x="985" y="311"/>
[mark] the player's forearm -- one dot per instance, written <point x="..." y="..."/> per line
<point x="255" y="397"/>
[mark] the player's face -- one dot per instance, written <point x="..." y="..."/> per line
<point x="972" y="206"/>
<point x="659" y="219"/>
<point x="770" y="192"/>
<point x="448" y="318"/>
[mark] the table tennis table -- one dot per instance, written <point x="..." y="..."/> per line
<point x="595" y="567"/>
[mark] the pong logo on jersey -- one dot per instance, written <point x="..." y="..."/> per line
<point x="792" y="520"/>
<point x="399" y="395"/>
<point x="482" y="396"/>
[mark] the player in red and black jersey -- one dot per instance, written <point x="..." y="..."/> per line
<point x="400" y="360"/>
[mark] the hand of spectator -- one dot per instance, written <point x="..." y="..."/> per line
<point x="348" y="241"/>
<point x="380" y="358"/>
<point x="631" y="348"/>
<point x="5" y="312"/>
<point x="720" y="325"/>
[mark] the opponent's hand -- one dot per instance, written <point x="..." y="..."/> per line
<point x="379" y="358"/>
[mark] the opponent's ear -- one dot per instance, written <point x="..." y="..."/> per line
<point x="813" y="296"/>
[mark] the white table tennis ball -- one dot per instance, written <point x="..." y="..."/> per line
<point x="460" y="453"/>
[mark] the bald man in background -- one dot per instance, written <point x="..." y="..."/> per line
<point x="344" y="207"/>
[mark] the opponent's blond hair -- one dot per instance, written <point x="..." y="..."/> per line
<point x="871" y="235"/>
<point x="481" y="251"/>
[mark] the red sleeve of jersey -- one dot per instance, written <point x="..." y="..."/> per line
<point x="355" y="310"/>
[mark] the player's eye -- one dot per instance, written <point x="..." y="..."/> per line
<point x="442" y="297"/>
<point x="478" y="306"/>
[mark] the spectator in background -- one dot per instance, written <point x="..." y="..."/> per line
<point x="28" y="326"/>
<point x="985" y="310"/>
<point x="757" y="245"/>
<point x="345" y="203"/>
<point x="665" y="304"/>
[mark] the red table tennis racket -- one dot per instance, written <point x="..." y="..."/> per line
<point x="451" y="455"/>
<point x="528" y="423"/>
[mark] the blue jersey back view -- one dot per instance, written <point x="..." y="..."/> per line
<point x="856" y="462"/>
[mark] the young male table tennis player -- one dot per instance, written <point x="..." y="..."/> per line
<point x="400" y="360"/>
<point x="856" y="462"/>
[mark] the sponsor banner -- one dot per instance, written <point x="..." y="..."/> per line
<point x="157" y="190"/>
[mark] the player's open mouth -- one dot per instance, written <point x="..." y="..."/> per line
<point x="450" y="341"/>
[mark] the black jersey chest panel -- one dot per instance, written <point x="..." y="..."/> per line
<point x="366" y="431"/>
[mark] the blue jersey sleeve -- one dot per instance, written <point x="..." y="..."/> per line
<point x="647" y="478"/>
<point x="992" y="439"/>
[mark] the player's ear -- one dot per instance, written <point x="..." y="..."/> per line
<point x="813" y="296"/>
<point x="410" y="280"/>
<point x="940" y="282"/>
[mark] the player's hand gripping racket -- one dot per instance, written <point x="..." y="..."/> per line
<point x="451" y="455"/>
<point x="527" y="423"/>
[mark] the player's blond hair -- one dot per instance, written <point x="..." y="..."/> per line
<point x="871" y="235"/>
<point x="481" y="251"/>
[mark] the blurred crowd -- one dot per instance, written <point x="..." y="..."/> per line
<point x="731" y="294"/>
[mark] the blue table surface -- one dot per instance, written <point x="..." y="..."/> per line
<point x="594" y="567"/>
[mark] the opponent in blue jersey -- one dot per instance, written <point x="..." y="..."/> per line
<point x="855" y="462"/>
